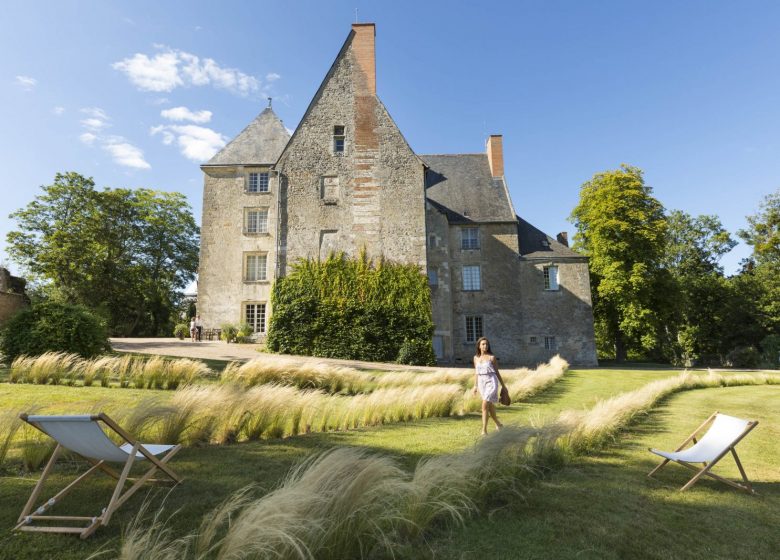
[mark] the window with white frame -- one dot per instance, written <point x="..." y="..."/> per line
<point x="551" y="278"/>
<point x="255" y="267"/>
<point x="472" y="280"/>
<point x="433" y="277"/>
<point x="254" y="316"/>
<point x="338" y="140"/>
<point x="473" y="328"/>
<point x="257" y="181"/>
<point x="469" y="238"/>
<point x="550" y="343"/>
<point x="256" y="220"/>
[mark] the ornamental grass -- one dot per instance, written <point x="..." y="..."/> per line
<point x="349" y="503"/>
<point x="55" y="368"/>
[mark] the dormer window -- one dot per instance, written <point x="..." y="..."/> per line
<point x="338" y="140"/>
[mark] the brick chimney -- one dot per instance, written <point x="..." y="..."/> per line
<point x="363" y="47"/>
<point x="563" y="238"/>
<point x="495" y="154"/>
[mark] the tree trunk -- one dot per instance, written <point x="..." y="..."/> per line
<point x="620" y="347"/>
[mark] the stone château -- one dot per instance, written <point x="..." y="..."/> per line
<point x="347" y="179"/>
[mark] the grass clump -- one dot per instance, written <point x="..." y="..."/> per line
<point x="126" y="371"/>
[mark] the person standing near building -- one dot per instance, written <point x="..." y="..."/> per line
<point x="193" y="329"/>
<point x="199" y="327"/>
<point x="486" y="381"/>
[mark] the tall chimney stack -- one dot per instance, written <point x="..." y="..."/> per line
<point x="363" y="47"/>
<point x="495" y="154"/>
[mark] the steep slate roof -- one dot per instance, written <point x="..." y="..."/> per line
<point x="461" y="186"/>
<point x="261" y="142"/>
<point x="535" y="244"/>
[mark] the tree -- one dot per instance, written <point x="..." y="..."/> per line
<point x="126" y="254"/>
<point x="621" y="227"/>
<point x="692" y="256"/>
<point x="763" y="234"/>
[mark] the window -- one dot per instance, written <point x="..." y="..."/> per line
<point x="469" y="238"/>
<point x="254" y="270"/>
<point x="550" y="343"/>
<point x="471" y="278"/>
<point x="256" y="221"/>
<point x="257" y="182"/>
<point x="550" y="277"/>
<point x="432" y="241"/>
<point x="532" y="340"/>
<point x="473" y="328"/>
<point x="254" y="316"/>
<point x="338" y="140"/>
<point x="433" y="277"/>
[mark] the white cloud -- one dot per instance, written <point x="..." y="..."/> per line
<point x="160" y="73"/>
<point x="95" y="113"/>
<point x="25" y="82"/>
<point x="197" y="143"/>
<point x="125" y="153"/>
<point x="58" y="110"/>
<point x="88" y="138"/>
<point x="93" y="124"/>
<point x="272" y="77"/>
<point x="161" y="101"/>
<point x="184" y="114"/>
<point x="171" y="68"/>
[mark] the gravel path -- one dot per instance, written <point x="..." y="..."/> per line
<point x="219" y="350"/>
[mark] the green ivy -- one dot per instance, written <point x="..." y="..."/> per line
<point x="352" y="308"/>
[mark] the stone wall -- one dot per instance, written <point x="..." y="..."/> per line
<point x="369" y="196"/>
<point x="12" y="295"/>
<point x="221" y="286"/>
<point x="566" y="313"/>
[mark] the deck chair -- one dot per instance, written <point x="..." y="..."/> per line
<point x="84" y="436"/>
<point x="722" y="437"/>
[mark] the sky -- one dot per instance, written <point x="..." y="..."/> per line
<point x="139" y="94"/>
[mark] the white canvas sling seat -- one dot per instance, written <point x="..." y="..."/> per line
<point x="724" y="433"/>
<point x="84" y="436"/>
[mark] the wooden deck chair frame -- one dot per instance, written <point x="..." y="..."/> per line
<point x="30" y="515"/>
<point x="705" y="470"/>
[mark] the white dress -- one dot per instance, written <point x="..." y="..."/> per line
<point x="487" y="381"/>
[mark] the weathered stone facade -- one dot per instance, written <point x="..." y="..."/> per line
<point x="347" y="180"/>
<point x="12" y="295"/>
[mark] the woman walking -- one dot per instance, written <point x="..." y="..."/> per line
<point x="486" y="381"/>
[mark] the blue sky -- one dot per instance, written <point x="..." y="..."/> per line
<point x="137" y="94"/>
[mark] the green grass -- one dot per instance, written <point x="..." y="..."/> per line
<point x="600" y="507"/>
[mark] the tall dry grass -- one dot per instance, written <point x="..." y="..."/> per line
<point x="127" y="371"/>
<point x="596" y="427"/>
<point x="347" y="503"/>
<point x="9" y="427"/>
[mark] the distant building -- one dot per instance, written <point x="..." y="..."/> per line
<point x="347" y="179"/>
<point x="12" y="295"/>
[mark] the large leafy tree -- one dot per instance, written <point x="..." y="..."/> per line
<point x="127" y="254"/>
<point x="763" y="234"/>
<point x="622" y="228"/>
<point x="704" y="298"/>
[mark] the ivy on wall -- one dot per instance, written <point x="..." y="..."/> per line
<point x="355" y="309"/>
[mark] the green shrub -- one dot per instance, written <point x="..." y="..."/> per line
<point x="244" y="333"/>
<point x="770" y="350"/>
<point x="350" y="308"/>
<point x="53" y="327"/>
<point x="181" y="331"/>
<point x="417" y="352"/>
<point x="744" y="357"/>
<point x="228" y="332"/>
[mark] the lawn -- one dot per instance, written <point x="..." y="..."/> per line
<point x="597" y="507"/>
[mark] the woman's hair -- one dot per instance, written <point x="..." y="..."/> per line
<point x="478" y="352"/>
